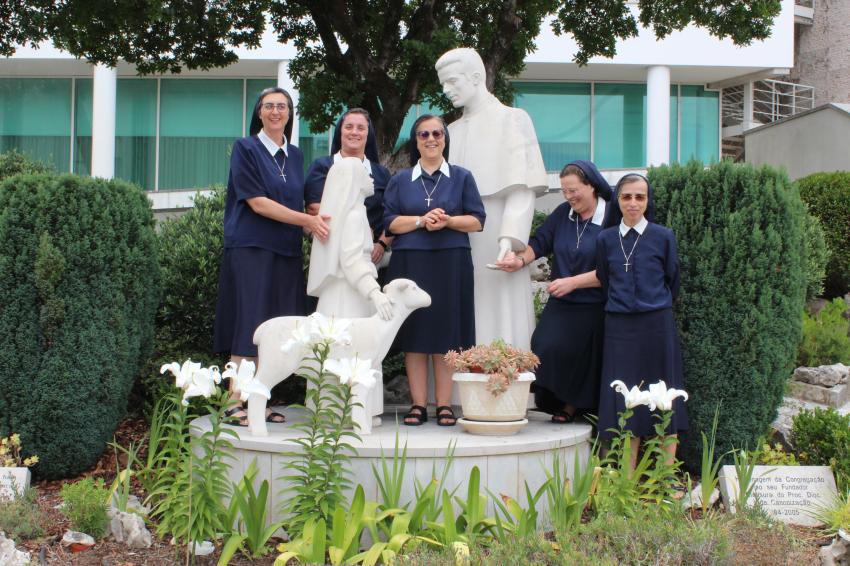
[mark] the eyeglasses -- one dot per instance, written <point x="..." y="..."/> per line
<point x="629" y="196"/>
<point x="425" y="134"/>
<point x="280" y="106"/>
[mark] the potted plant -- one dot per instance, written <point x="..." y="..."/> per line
<point x="14" y="471"/>
<point x="494" y="380"/>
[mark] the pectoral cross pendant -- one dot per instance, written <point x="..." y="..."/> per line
<point x="626" y="265"/>
<point x="283" y="176"/>
<point x="428" y="201"/>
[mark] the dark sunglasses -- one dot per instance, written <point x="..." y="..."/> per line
<point x="425" y="134"/>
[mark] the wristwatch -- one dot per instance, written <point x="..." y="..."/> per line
<point x="418" y="221"/>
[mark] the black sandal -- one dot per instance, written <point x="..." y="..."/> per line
<point x="445" y="413"/>
<point x="563" y="417"/>
<point x="421" y="416"/>
<point x="275" y="417"/>
<point x="233" y="419"/>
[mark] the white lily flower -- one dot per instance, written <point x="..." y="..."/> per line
<point x="634" y="397"/>
<point x="353" y="370"/>
<point x="182" y="374"/>
<point x="332" y="330"/>
<point x="244" y="381"/>
<point x="663" y="397"/>
<point x="202" y="384"/>
<point x="301" y="338"/>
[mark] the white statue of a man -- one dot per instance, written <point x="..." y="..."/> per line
<point x="341" y="272"/>
<point x="498" y="144"/>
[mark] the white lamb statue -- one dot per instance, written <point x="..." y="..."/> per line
<point x="371" y="338"/>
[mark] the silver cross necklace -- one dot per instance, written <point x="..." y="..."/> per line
<point x="279" y="166"/>
<point x="629" y="255"/>
<point x="579" y="235"/>
<point x="428" y="195"/>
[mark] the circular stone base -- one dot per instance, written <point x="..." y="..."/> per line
<point x="492" y="428"/>
<point x="506" y="463"/>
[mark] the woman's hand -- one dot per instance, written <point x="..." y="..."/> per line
<point x="318" y="226"/>
<point x="377" y="252"/>
<point x="510" y="263"/>
<point x="435" y="219"/>
<point x="560" y="287"/>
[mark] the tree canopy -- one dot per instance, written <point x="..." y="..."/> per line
<point x="377" y="54"/>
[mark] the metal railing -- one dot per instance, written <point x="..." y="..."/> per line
<point x="772" y="101"/>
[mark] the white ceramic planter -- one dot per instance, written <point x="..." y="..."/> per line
<point x="481" y="405"/>
<point x="14" y="481"/>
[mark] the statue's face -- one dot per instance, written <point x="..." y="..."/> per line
<point x="457" y="84"/>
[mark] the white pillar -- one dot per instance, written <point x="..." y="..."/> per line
<point x="103" y="122"/>
<point x="285" y="82"/>
<point x="657" y="115"/>
<point x="747" y="119"/>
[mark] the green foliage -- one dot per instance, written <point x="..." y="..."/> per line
<point x="13" y="163"/>
<point x="189" y="475"/>
<point x="828" y="198"/>
<point x="825" y="336"/>
<point x="21" y="518"/>
<point x="822" y="438"/>
<point x="318" y="470"/>
<point x="709" y="465"/>
<point x="816" y="255"/>
<point x="835" y="514"/>
<point x="775" y="455"/>
<point x="568" y="500"/>
<point x="740" y="236"/>
<point x="80" y="283"/>
<point x="85" y="504"/>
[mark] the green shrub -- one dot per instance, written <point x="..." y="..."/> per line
<point x="85" y="505"/>
<point x="822" y="438"/>
<point x="825" y="339"/>
<point x="774" y="455"/>
<point x="816" y="256"/>
<point x="12" y="163"/>
<point x="828" y="198"/>
<point x="80" y="282"/>
<point x="21" y="518"/>
<point x="740" y="236"/>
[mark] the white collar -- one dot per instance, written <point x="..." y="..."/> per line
<point x="416" y="172"/>
<point x="598" y="214"/>
<point x="366" y="164"/>
<point x="271" y="146"/>
<point x="639" y="227"/>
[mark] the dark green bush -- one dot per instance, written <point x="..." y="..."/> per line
<point x="828" y="198"/>
<point x="740" y="235"/>
<point x="822" y="438"/>
<point x="12" y="163"/>
<point x="79" y="279"/>
<point x="815" y="254"/>
<point x="825" y="339"/>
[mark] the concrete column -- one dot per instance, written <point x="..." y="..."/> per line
<point x="103" y="122"/>
<point x="747" y="119"/>
<point x="285" y="82"/>
<point x="657" y="115"/>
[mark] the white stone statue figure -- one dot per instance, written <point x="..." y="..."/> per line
<point x="342" y="274"/>
<point x="498" y="144"/>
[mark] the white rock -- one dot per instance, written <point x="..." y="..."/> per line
<point x="130" y="529"/>
<point x="203" y="548"/>
<point x="9" y="555"/>
<point x="837" y="553"/>
<point x="539" y="269"/>
<point x="825" y="376"/>
<point x="694" y="498"/>
<point x="74" y="537"/>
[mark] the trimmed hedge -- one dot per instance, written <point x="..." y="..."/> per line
<point x="80" y="283"/>
<point x="828" y="197"/>
<point x="13" y="162"/>
<point x="740" y="236"/>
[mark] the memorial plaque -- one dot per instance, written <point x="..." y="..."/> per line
<point x="13" y="481"/>
<point x="791" y="494"/>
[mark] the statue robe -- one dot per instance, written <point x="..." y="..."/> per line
<point x="498" y="144"/>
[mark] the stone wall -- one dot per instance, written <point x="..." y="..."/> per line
<point x="822" y="52"/>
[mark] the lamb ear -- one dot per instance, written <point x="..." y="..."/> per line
<point x="400" y="284"/>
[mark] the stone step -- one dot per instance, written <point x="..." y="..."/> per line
<point x="835" y="396"/>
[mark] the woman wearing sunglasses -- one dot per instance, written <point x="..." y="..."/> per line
<point x="430" y="208"/>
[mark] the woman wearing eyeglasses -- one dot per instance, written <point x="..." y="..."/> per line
<point x="430" y="208"/>
<point x="568" y="337"/>
<point x="261" y="275"/>
<point x="638" y="266"/>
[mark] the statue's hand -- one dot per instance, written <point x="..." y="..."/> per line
<point x="383" y="304"/>
<point x="504" y="248"/>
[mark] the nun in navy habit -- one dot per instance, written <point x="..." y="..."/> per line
<point x="354" y="136"/>
<point x="638" y="267"/>
<point x="261" y="274"/>
<point x="568" y="337"/>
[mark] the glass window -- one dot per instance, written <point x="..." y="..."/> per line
<point x="415" y="112"/>
<point x="35" y="118"/>
<point x="82" y="126"/>
<point x="199" y="121"/>
<point x="561" y="116"/>
<point x="312" y="144"/>
<point x="674" y="123"/>
<point x="700" y="126"/>
<point x="619" y="130"/>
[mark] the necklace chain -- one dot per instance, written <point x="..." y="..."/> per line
<point x="629" y="256"/>
<point x="428" y="195"/>
<point x="279" y="166"/>
<point x="579" y="235"/>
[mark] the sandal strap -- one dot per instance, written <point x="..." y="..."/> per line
<point x="234" y="409"/>
<point x="445" y="409"/>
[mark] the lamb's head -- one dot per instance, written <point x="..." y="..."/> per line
<point x="406" y="292"/>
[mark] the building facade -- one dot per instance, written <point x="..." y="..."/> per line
<point x="655" y="102"/>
